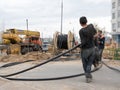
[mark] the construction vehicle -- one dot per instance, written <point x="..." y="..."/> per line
<point x="30" y="42"/>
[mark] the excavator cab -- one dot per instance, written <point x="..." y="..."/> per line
<point x="31" y="43"/>
<point x="35" y="40"/>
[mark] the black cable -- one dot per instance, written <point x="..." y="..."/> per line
<point x="54" y="78"/>
<point x="45" y="79"/>
<point x="115" y="69"/>
<point x="14" y="63"/>
<point x="49" y="60"/>
<point x="62" y="41"/>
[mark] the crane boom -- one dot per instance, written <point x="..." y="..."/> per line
<point x="24" y="32"/>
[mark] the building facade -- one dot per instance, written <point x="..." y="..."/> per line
<point x="116" y="21"/>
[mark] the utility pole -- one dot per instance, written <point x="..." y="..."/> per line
<point x="27" y="24"/>
<point x="27" y="33"/>
<point x="61" y="16"/>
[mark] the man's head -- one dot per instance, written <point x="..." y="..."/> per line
<point x="83" y="21"/>
<point x="99" y="32"/>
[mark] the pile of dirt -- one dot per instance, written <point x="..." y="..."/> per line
<point x="114" y="62"/>
<point x="107" y="54"/>
<point x="28" y="56"/>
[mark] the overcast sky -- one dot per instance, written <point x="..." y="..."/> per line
<point x="44" y="15"/>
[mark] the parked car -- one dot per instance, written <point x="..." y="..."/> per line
<point x="45" y="45"/>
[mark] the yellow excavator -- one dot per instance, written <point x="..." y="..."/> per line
<point x="31" y="41"/>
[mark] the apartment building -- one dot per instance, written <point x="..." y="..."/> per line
<point x="116" y="21"/>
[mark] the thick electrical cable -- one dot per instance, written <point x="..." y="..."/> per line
<point x="14" y="63"/>
<point x="49" y="60"/>
<point x="112" y="68"/>
<point x="62" y="41"/>
<point x="54" y="78"/>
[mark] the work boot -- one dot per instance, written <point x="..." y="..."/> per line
<point x="88" y="77"/>
<point x="88" y="80"/>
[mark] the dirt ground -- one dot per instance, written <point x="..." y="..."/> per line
<point x="29" y="56"/>
<point x="113" y="62"/>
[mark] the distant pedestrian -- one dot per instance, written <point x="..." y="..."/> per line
<point x="96" y="60"/>
<point x="101" y="44"/>
<point x="87" y="46"/>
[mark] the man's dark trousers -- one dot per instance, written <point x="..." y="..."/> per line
<point x="100" y="53"/>
<point x="88" y="56"/>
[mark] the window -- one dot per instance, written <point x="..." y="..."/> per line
<point x="118" y="2"/>
<point x="118" y="13"/>
<point x="118" y="24"/>
<point x="119" y="39"/>
<point x="114" y="26"/>
<point x="113" y="5"/>
<point x="113" y="15"/>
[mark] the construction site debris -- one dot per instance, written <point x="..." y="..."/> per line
<point x="28" y="56"/>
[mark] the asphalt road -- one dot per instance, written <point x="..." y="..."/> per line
<point x="104" y="79"/>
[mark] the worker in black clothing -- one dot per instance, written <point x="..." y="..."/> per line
<point x="101" y="43"/>
<point x="96" y="60"/>
<point x="87" y="47"/>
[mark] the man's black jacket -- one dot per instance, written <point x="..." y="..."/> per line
<point x="87" y="36"/>
<point x="101" y="42"/>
